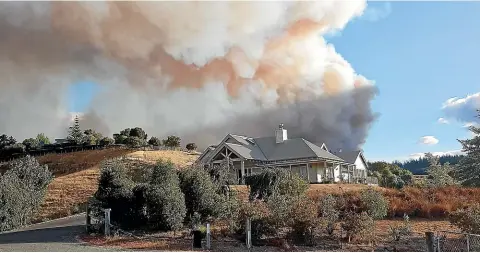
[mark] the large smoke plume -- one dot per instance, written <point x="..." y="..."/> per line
<point x="196" y="69"/>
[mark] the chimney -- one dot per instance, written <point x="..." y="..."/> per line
<point x="280" y="134"/>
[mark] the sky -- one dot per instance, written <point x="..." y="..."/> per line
<point x="420" y="55"/>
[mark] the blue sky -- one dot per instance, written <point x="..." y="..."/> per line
<point x="420" y="54"/>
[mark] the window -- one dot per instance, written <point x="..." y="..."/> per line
<point x="248" y="171"/>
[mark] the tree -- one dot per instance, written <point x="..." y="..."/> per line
<point x="274" y="181"/>
<point x="191" y="146"/>
<point x="6" y="141"/>
<point x="154" y="141"/>
<point x="91" y="137"/>
<point x="172" y="141"/>
<point x="468" y="170"/>
<point x="374" y="203"/>
<point x="438" y="175"/>
<point x="106" y="141"/>
<point x="134" y="142"/>
<point x="138" y="132"/>
<point x="119" y="139"/>
<point x="42" y="139"/>
<point x="75" y="134"/>
<point x="22" y="189"/>
<point x="31" y="143"/>
<point x="165" y="200"/>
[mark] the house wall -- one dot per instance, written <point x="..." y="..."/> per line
<point x="361" y="169"/>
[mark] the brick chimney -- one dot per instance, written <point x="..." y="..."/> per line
<point x="280" y="134"/>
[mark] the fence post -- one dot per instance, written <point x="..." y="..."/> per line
<point x="249" y="233"/>
<point x="468" y="243"/>
<point x="208" y="237"/>
<point x="430" y="239"/>
<point x="438" y="243"/>
<point x="107" y="221"/>
<point x="88" y="222"/>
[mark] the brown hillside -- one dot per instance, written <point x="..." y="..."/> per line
<point x="76" y="177"/>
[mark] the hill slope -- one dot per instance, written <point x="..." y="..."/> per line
<point x="76" y="176"/>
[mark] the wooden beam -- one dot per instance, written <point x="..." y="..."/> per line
<point x="242" y="168"/>
<point x="308" y="172"/>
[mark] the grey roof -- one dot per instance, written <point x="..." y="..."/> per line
<point x="291" y="149"/>
<point x="266" y="149"/>
<point x="349" y="156"/>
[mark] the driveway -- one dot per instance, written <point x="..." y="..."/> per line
<point x="55" y="235"/>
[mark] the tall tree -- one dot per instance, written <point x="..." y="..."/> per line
<point x="75" y="134"/>
<point x="469" y="167"/>
<point x="439" y="174"/>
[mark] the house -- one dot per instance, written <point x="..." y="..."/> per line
<point x="314" y="163"/>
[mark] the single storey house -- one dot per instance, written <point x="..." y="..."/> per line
<point x="314" y="163"/>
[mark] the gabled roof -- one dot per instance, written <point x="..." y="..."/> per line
<point x="351" y="156"/>
<point x="297" y="148"/>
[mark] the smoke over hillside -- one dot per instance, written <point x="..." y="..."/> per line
<point x="196" y="69"/>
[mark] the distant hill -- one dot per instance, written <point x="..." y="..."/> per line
<point x="418" y="166"/>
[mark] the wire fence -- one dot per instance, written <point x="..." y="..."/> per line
<point x="449" y="241"/>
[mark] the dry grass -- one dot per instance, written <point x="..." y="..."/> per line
<point x="179" y="158"/>
<point x="76" y="177"/>
<point x="61" y="164"/>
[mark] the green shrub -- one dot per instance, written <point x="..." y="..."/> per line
<point x="467" y="219"/>
<point x="191" y="146"/>
<point x="200" y="193"/>
<point x="303" y="221"/>
<point x="374" y="203"/>
<point x="134" y="142"/>
<point x="275" y="182"/>
<point x="404" y="229"/>
<point x="22" y="190"/>
<point x="115" y="192"/>
<point x="165" y="200"/>
<point x="329" y="212"/>
<point x="106" y="141"/>
<point x="154" y="141"/>
<point x="358" y="226"/>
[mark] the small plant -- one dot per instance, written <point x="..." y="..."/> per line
<point x="468" y="219"/>
<point x="404" y="229"/>
<point x="359" y="226"/>
<point x="329" y="212"/>
<point x="374" y="204"/>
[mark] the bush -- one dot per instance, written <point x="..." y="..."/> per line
<point x="329" y="212"/>
<point x="358" y="226"/>
<point x="398" y="231"/>
<point x="138" y="133"/>
<point x="200" y="193"/>
<point x="374" y="203"/>
<point x="172" y="141"/>
<point x="165" y="200"/>
<point x="31" y="143"/>
<point x="275" y="182"/>
<point x="154" y="141"/>
<point x="106" y="141"/>
<point x="191" y="146"/>
<point x="134" y="142"/>
<point x="303" y="220"/>
<point x="115" y="192"/>
<point x="467" y="219"/>
<point x="22" y="189"/>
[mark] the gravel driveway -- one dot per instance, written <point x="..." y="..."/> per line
<point x="55" y="235"/>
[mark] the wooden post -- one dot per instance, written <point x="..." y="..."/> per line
<point x="88" y="222"/>
<point x="430" y="239"/>
<point x="242" y="168"/>
<point x="208" y="237"/>
<point x="308" y="172"/>
<point x="248" y="227"/>
<point x="107" y="221"/>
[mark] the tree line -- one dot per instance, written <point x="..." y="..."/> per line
<point x="79" y="138"/>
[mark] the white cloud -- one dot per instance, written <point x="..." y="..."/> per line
<point x="443" y="121"/>
<point x="428" y="140"/>
<point x="462" y="109"/>
<point x="440" y="153"/>
<point x="374" y="13"/>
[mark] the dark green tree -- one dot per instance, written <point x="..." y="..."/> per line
<point x="439" y="175"/>
<point x="6" y="141"/>
<point x="191" y="146"/>
<point x="139" y="133"/>
<point x="75" y="133"/>
<point x="468" y="170"/>
<point x="154" y="141"/>
<point x="172" y="141"/>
